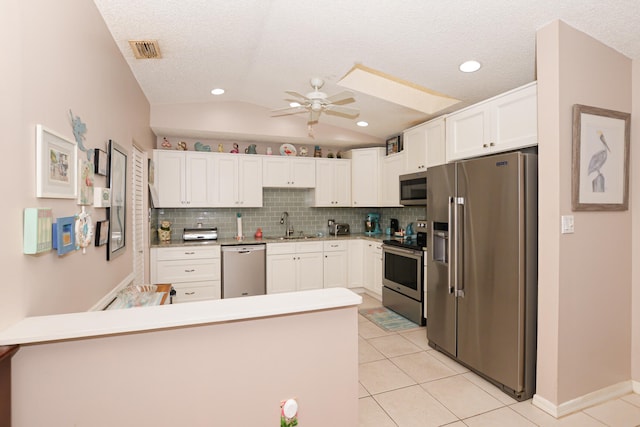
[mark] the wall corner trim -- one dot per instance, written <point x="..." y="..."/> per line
<point x="587" y="400"/>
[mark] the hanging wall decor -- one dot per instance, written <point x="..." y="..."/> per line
<point x="600" y="169"/>
<point x="102" y="232"/>
<point x="56" y="165"/>
<point x="100" y="160"/>
<point x="64" y="235"/>
<point x="37" y="230"/>
<point x="85" y="192"/>
<point x="84" y="230"/>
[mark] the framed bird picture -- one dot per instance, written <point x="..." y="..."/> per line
<point x="600" y="164"/>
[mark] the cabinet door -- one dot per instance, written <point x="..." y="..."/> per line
<point x="342" y="183"/>
<point x="435" y="135"/>
<point x="309" y="271"/>
<point x="392" y="168"/>
<point x="415" y="145"/>
<point x="514" y="120"/>
<point x="275" y="171"/>
<point x="302" y="172"/>
<point x="356" y="263"/>
<point x="377" y="269"/>
<point x="324" y="193"/>
<point x="281" y="273"/>
<point x="335" y="269"/>
<point x="225" y="181"/>
<point x="250" y="182"/>
<point x="197" y="180"/>
<point x="468" y="133"/>
<point x="170" y="178"/>
<point x="365" y="176"/>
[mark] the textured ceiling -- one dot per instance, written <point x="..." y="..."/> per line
<point x="257" y="49"/>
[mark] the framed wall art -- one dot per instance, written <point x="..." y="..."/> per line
<point x="64" y="236"/>
<point x="56" y="165"/>
<point x="600" y="164"/>
<point x="117" y="212"/>
<point x="102" y="232"/>
<point x="101" y="162"/>
<point x="86" y="181"/>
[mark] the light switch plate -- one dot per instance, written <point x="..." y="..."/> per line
<point x="567" y="224"/>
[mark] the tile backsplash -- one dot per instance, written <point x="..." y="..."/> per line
<point x="303" y="218"/>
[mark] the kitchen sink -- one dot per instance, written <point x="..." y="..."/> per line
<point x="302" y="237"/>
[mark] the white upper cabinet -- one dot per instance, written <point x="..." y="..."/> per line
<point x="333" y="183"/>
<point x="425" y="145"/>
<point x="393" y="166"/>
<point x="366" y="176"/>
<point x="288" y="172"/>
<point x="237" y="180"/>
<point x="505" y="122"/>
<point x="182" y="179"/>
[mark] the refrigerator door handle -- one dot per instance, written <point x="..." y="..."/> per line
<point x="459" y="248"/>
<point x="452" y="262"/>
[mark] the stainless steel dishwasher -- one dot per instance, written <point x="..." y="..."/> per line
<point x="243" y="270"/>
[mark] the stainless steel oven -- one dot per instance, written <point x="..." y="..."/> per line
<point x="403" y="281"/>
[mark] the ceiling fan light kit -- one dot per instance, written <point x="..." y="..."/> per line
<point x="314" y="103"/>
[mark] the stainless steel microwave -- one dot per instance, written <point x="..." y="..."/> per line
<point x="413" y="189"/>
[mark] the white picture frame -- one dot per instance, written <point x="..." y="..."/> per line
<point x="56" y="165"/>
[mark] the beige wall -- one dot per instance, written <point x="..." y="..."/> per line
<point x="59" y="56"/>
<point x="228" y="374"/>
<point x="584" y="339"/>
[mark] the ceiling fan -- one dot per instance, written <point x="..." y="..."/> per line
<point x="317" y="102"/>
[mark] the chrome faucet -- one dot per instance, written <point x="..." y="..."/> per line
<point x="288" y="229"/>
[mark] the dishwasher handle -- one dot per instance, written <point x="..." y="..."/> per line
<point x="243" y="249"/>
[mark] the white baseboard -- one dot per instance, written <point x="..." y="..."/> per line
<point x="583" y="402"/>
<point x="636" y="387"/>
<point x="105" y="300"/>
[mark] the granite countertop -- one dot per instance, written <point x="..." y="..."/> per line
<point x="251" y="240"/>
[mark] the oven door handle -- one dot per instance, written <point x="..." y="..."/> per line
<point x="402" y="251"/>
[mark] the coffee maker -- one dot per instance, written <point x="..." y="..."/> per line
<point x="372" y="223"/>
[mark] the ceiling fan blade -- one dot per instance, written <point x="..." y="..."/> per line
<point x="314" y="116"/>
<point x="297" y="95"/>
<point x="288" y="110"/>
<point x="342" y="111"/>
<point x="340" y="98"/>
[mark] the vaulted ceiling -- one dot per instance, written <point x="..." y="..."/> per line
<point x="258" y="49"/>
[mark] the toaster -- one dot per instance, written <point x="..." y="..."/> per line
<point x="341" y="229"/>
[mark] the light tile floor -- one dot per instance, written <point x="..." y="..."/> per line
<point x="405" y="383"/>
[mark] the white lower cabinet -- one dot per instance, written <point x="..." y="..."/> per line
<point x="373" y="267"/>
<point x="356" y="266"/>
<point x="336" y="272"/>
<point x="194" y="272"/>
<point x="294" y="266"/>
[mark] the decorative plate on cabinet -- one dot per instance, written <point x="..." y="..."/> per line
<point x="287" y="150"/>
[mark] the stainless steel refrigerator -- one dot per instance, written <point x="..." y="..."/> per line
<point x="482" y="267"/>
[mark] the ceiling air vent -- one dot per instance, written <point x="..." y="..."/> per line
<point x="145" y="49"/>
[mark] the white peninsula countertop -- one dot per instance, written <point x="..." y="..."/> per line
<point x="98" y="323"/>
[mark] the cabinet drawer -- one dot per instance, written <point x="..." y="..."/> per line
<point x="187" y="252"/>
<point x="281" y="248"/>
<point x="306" y="247"/>
<point x="196" y="291"/>
<point x="188" y="270"/>
<point x="334" y="246"/>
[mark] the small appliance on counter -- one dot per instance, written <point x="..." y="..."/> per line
<point x="395" y="225"/>
<point x="372" y="223"/>
<point x="338" y="229"/>
<point x="200" y="233"/>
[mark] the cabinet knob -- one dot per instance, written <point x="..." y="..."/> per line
<point x="485" y="145"/>
<point x="189" y="253"/>
<point x="190" y="271"/>
<point x="190" y="293"/>
<point x="492" y="144"/>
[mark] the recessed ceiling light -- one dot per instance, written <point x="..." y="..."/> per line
<point x="217" y="91"/>
<point x="294" y="104"/>
<point x="362" y="123"/>
<point x="470" y="66"/>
